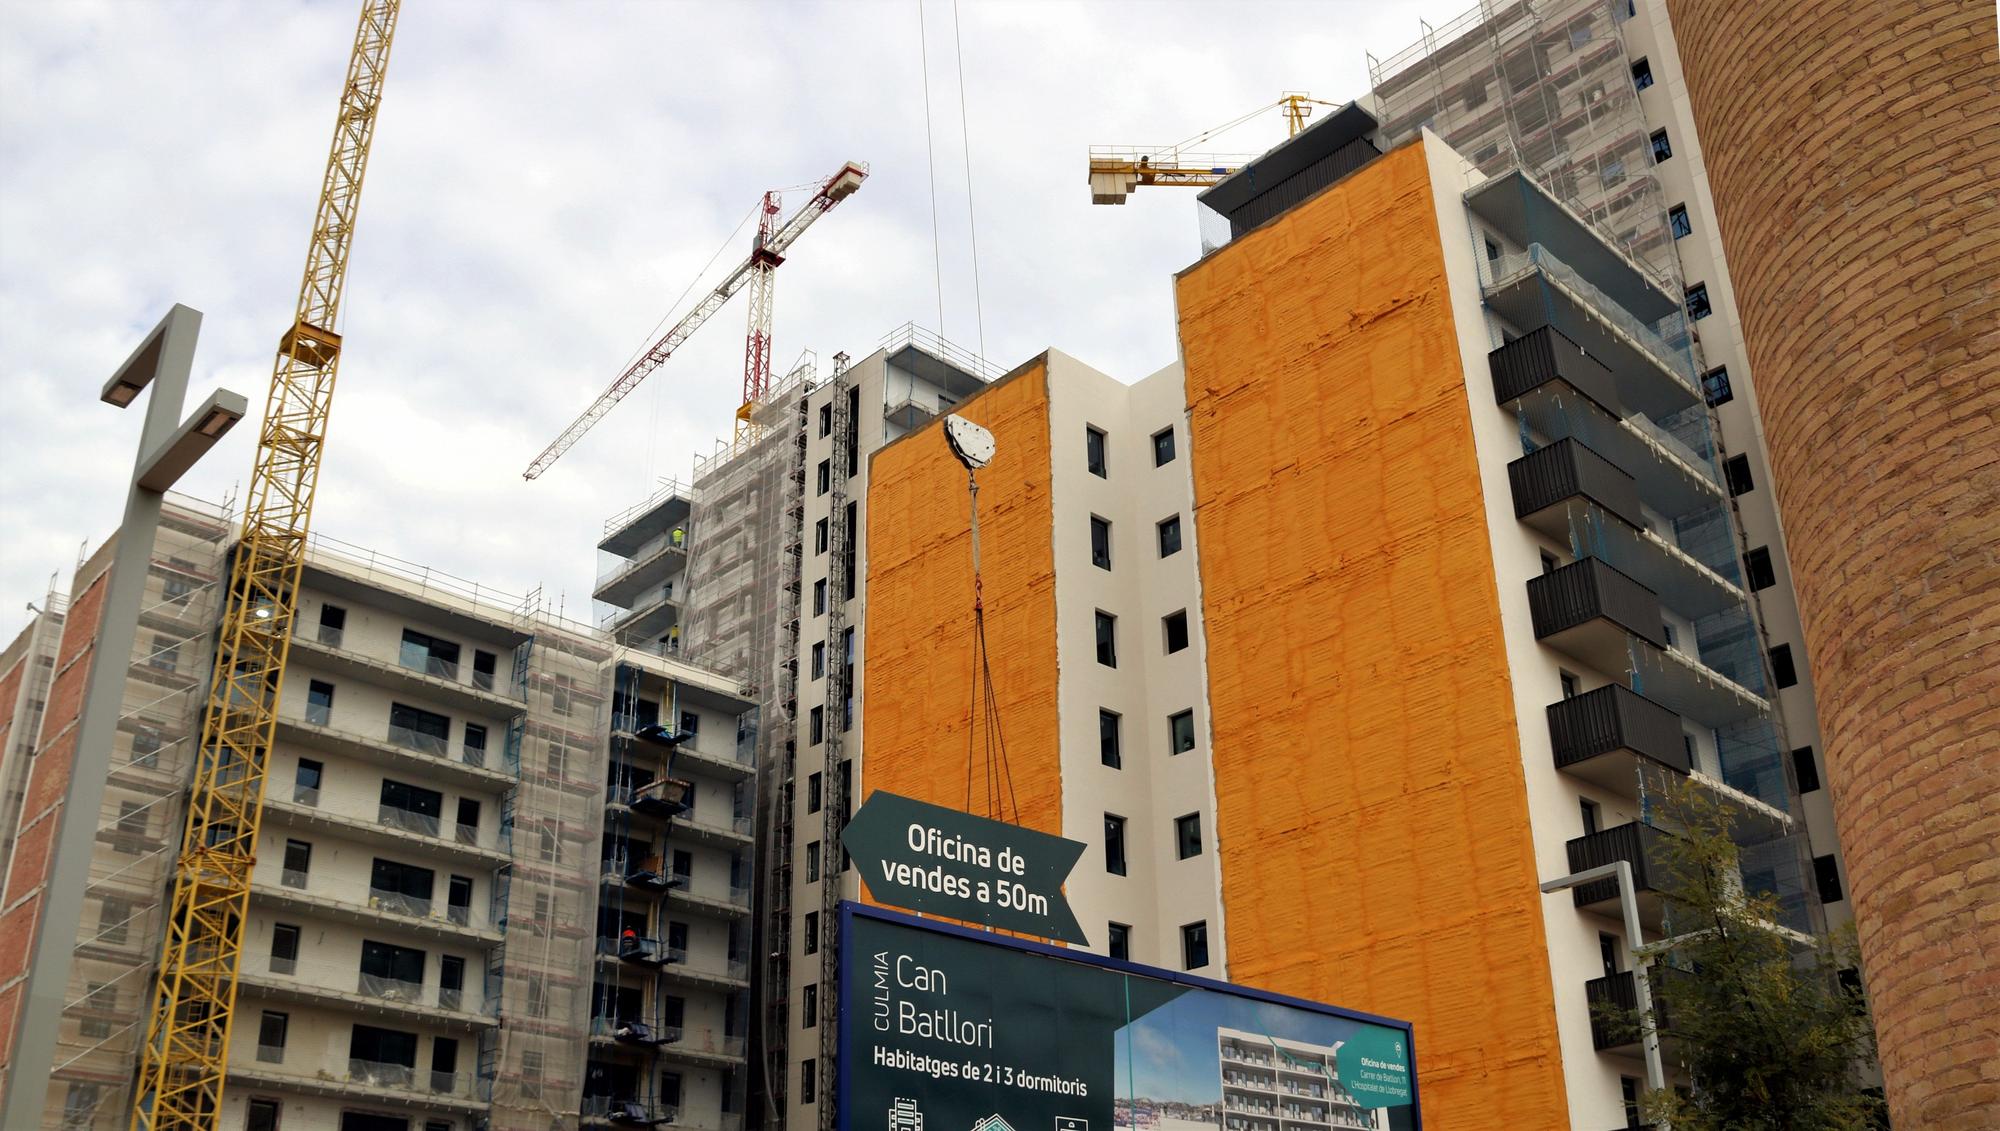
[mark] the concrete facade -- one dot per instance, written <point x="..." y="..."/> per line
<point x="1852" y="173"/>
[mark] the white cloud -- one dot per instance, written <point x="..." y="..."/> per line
<point x="546" y="178"/>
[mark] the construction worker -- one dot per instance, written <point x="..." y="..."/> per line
<point x="679" y="537"/>
<point x="674" y="639"/>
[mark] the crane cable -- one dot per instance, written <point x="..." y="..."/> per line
<point x="930" y="163"/>
<point x="653" y="335"/>
<point x="971" y="224"/>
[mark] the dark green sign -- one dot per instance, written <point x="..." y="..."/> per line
<point x="948" y="1029"/>
<point x="940" y="861"/>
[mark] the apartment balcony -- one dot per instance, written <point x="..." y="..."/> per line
<point x="406" y="751"/>
<point x="1692" y="689"/>
<point x="638" y="1034"/>
<point x="626" y="532"/>
<point x="1620" y="992"/>
<point x="1612" y="735"/>
<point x="393" y="828"/>
<point x="708" y="973"/>
<point x="1671" y="477"/>
<point x="706" y="1048"/>
<point x="647" y="568"/>
<point x="278" y="979"/>
<point x="1543" y="358"/>
<point x="364" y="1081"/>
<point x="726" y="900"/>
<point x="698" y="755"/>
<point x="1652" y="374"/>
<point x="607" y="1111"/>
<point x="307" y="895"/>
<point x="648" y="619"/>
<point x="1590" y="611"/>
<point x="714" y="828"/>
<point x="447" y="683"/>
<point x="1640" y="845"/>
<point x="1551" y="483"/>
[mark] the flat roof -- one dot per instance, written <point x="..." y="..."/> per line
<point x="1289" y="157"/>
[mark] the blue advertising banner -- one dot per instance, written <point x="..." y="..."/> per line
<point x="949" y="1029"/>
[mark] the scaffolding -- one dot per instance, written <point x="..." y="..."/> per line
<point x="139" y="822"/>
<point x="33" y="654"/>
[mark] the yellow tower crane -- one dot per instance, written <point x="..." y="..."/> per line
<point x="1117" y="170"/>
<point x="183" y="1063"/>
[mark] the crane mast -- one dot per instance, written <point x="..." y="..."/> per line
<point x="764" y="259"/>
<point x="182" y="1065"/>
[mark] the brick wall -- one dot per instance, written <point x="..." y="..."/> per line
<point x="1854" y="150"/>
<point x="48" y="780"/>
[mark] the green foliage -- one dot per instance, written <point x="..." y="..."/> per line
<point x="1765" y="1031"/>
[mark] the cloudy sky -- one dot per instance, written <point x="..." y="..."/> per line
<point x="546" y="179"/>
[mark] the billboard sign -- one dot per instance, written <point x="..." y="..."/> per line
<point x="949" y="1029"/>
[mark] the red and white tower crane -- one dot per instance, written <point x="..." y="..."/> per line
<point x="757" y="273"/>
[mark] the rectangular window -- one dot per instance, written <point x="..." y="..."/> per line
<point x="1170" y="536"/>
<point x="824" y="480"/>
<point x="1194" y="946"/>
<point x="1174" y="625"/>
<point x="284" y="948"/>
<point x="1826" y="873"/>
<point x="114" y="920"/>
<point x="131" y="822"/>
<point x="458" y="899"/>
<point x="1715" y="386"/>
<point x="298" y="863"/>
<point x="1736" y="471"/>
<point x="1114" y="844"/>
<point x="1163" y="447"/>
<point x="1628" y="1090"/>
<point x="1093" y="452"/>
<point x="99" y="997"/>
<point x="1642" y="74"/>
<point x="1108" y="751"/>
<point x="425" y="653"/>
<point x="812" y="862"/>
<point x="1781" y="666"/>
<point x="1100" y="543"/>
<point x="261" y="1115"/>
<point x="332" y="624"/>
<point x="1180" y="732"/>
<point x="819" y="597"/>
<point x="401" y="887"/>
<point x="809" y="1005"/>
<point x="79" y="1106"/>
<point x="826" y="419"/>
<point x="424" y="731"/>
<point x="272" y="1029"/>
<point x="819" y="660"/>
<point x="1805" y="769"/>
<point x="1589" y="811"/>
<point x="1187" y="835"/>
<point x="382" y="1046"/>
<point x="1697" y="301"/>
<point x="1677" y="221"/>
<point x="1758" y="570"/>
<point x="819" y="537"/>
<point x="813" y="792"/>
<point x="451" y="981"/>
<point x="391" y="971"/>
<point x="1107" y="639"/>
<point x="1569" y="684"/>
<point x="1492" y="251"/>
<point x="531" y="1075"/>
<point x="166" y="655"/>
<point x="484" y="664"/>
<point x="1118" y="943"/>
<point x="811" y="932"/>
<point x="319" y="703"/>
<point x="1662" y="148"/>
<point x="411" y="808"/>
<point x="808" y="1081"/>
<point x="816" y="726"/>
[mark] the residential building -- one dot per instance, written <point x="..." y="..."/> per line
<point x="27" y="670"/>
<point x="1273" y="1083"/>
<point x="1453" y="601"/>
<point x="764" y="585"/>
<point x="1588" y="96"/>
<point x="1872" y="311"/>
<point x="418" y="954"/>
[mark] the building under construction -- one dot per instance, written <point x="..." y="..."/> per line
<point x="460" y="825"/>
<point x="755" y="571"/>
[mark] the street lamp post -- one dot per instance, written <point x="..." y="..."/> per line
<point x="1628" y="902"/>
<point x="168" y="447"/>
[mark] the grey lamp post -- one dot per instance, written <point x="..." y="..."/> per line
<point x="1628" y="902"/>
<point x="168" y="447"/>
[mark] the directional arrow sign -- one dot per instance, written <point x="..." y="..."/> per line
<point x="940" y="861"/>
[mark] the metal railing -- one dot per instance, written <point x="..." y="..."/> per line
<point x="271" y="1054"/>
<point x="305" y="795"/>
<point x="283" y="965"/>
<point x="389" y="989"/>
<point x="406" y="820"/>
<point x="331" y="636"/>
<point x="292" y="878"/>
<point x="648" y="552"/>
<point x="319" y="714"/>
<point x="422" y="661"/>
<point x="1674" y="360"/>
<point x="418" y="741"/>
<point x="394" y="901"/>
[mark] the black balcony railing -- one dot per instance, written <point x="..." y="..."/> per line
<point x="1611" y="719"/>
<point x="1587" y="590"/>
<point x="1565" y="470"/>
<point x="1615" y="1023"/>
<point x="1640" y="845"/>
<point x="1544" y="355"/>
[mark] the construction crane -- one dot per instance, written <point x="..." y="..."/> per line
<point x="183" y="1062"/>
<point x="757" y="272"/>
<point x="1116" y="171"/>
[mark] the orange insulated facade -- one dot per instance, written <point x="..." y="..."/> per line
<point x="917" y="695"/>
<point x="1371" y="806"/>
